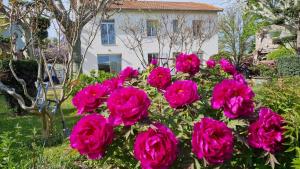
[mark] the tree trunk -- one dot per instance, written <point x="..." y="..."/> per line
<point x="298" y="36"/>
<point x="47" y="125"/>
<point x="29" y="47"/>
<point x="77" y="55"/>
<point x="298" y="41"/>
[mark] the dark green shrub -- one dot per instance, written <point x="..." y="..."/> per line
<point x="288" y="66"/>
<point x="267" y="71"/>
<point x="281" y="52"/>
<point x="4" y="39"/>
<point x="25" y="69"/>
<point x="263" y="70"/>
<point x="92" y="78"/>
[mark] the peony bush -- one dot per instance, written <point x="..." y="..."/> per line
<point x="197" y="117"/>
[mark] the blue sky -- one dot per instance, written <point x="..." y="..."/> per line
<point x="219" y="3"/>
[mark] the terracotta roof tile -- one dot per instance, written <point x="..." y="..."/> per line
<point x="163" y="5"/>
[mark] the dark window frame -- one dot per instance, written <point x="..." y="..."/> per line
<point x="107" y="64"/>
<point x="175" y="25"/>
<point x="151" y="26"/>
<point x="197" y="26"/>
<point x="151" y="56"/>
<point x="111" y="38"/>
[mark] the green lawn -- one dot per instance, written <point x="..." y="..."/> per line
<point x="8" y="120"/>
<point x="55" y="152"/>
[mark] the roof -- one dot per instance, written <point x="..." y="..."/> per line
<point x="163" y="5"/>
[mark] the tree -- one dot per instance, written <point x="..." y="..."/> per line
<point x="285" y="13"/>
<point x="28" y="17"/>
<point x="135" y="38"/>
<point x="237" y="32"/>
<point x="72" y="17"/>
<point x="41" y="105"/>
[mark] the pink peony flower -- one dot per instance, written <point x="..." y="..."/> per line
<point x="160" y="78"/>
<point x="267" y="131"/>
<point x="212" y="140"/>
<point x="90" y="98"/>
<point x="91" y="135"/>
<point x="234" y="97"/>
<point x="211" y="63"/>
<point x="182" y="93"/>
<point x="128" y="105"/>
<point x="156" y="148"/>
<point x="128" y="73"/>
<point x="112" y="84"/>
<point x="227" y="66"/>
<point x="240" y="78"/>
<point x="188" y="63"/>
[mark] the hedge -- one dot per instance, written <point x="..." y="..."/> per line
<point x="289" y="66"/>
<point x="25" y="69"/>
<point x="281" y="52"/>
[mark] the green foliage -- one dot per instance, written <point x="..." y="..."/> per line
<point x="25" y="69"/>
<point x="4" y="40"/>
<point x="296" y="161"/>
<point x="238" y="29"/>
<point x="40" y="26"/>
<point x="15" y="154"/>
<point x="288" y="66"/>
<point x="92" y="78"/>
<point x="35" y="152"/>
<point x="283" y="96"/>
<point x="4" y="22"/>
<point x="281" y="52"/>
<point x="263" y="70"/>
<point x="220" y="55"/>
<point x="279" y="12"/>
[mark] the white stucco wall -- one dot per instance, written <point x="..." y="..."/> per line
<point x="210" y="47"/>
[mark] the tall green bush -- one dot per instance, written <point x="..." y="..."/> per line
<point x="281" y="52"/>
<point x="25" y="69"/>
<point x="91" y="78"/>
<point x="288" y="66"/>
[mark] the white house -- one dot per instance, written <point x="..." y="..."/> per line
<point x="139" y="31"/>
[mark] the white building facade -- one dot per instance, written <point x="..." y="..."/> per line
<point x="139" y="31"/>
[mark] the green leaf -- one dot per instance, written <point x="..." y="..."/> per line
<point x="197" y="164"/>
<point x="272" y="160"/>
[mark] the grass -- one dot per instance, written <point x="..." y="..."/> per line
<point x="56" y="153"/>
<point x="9" y="121"/>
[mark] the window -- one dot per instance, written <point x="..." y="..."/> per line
<point x="152" y="56"/>
<point x="108" y="36"/>
<point x="109" y="63"/>
<point x="152" y="27"/>
<point x="197" y="27"/>
<point x="175" y="25"/>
